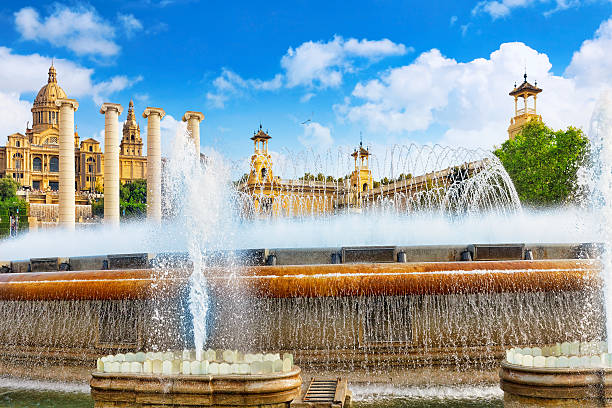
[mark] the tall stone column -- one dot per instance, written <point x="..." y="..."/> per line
<point x="67" y="178"/>
<point x="111" y="113"/>
<point x="153" y="116"/>
<point x="193" y="120"/>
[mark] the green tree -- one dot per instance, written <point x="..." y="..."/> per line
<point x="132" y="200"/>
<point x="543" y="163"/>
<point x="8" y="189"/>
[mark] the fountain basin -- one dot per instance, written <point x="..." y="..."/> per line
<point x="313" y="280"/>
<point x="149" y="390"/>
<point x="555" y="387"/>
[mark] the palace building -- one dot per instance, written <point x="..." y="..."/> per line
<point x="32" y="157"/>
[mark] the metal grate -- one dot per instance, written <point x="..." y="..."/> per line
<point x="321" y="391"/>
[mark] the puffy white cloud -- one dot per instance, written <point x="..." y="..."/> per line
<point x="322" y="64"/>
<point x="470" y="99"/>
<point x="230" y="84"/>
<point x="316" y="136"/>
<point x="502" y="8"/>
<point x="131" y="24"/>
<point x="21" y="74"/>
<point x="14" y="115"/>
<point x="81" y="30"/>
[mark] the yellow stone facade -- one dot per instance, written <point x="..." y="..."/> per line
<point x="526" y="114"/>
<point x="32" y="157"/>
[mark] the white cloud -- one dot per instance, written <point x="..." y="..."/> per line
<point x="316" y="136"/>
<point x="470" y="98"/>
<point x="21" y="74"/>
<point x="502" y="8"/>
<point x="131" y="24"/>
<point x="14" y="114"/>
<point x="306" y="97"/>
<point x="81" y="30"/>
<point x="322" y="64"/>
<point x="453" y="20"/>
<point x="230" y="84"/>
<point x="169" y="127"/>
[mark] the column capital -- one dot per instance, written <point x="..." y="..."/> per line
<point x="152" y="111"/>
<point x="72" y="102"/>
<point x="111" y="106"/>
<point x="191" y="114"/>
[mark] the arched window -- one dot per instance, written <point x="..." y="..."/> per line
<point x="17" y="143"/>
<point x="37" y="164"/>
<point x="54" y="164"/>
<point x="91" y="148"/>
<point x="365" y="186"/>
<point x="264" y="173"/>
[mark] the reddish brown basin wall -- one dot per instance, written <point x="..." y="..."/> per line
<point x="314" y="280"/>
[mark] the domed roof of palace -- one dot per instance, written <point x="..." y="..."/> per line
<point x="51" y="92"/>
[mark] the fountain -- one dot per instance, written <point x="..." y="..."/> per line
<point x="365" y="307"/>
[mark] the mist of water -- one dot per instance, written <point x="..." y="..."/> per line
<point x="600" y="181"/>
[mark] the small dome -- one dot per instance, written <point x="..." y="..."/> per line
<point x="50" y="92"/>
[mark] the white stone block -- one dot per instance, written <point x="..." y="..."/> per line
<point x="239" y="357"/>
<point x="556" y="350"/>
<point x="562" y="362"/>
<point x="268" y="367"/>
<point x="574" y="348"/>
<point x="256" y="367"/>
<point x="589" y="348"/>
<point x="119" y="357"/>
<point x="211" y="355"/>
<point x="140" y="357"/>
<point x="509" y="355"/>
<point x="99" y="365"/>
<point x="157" y="366"/>
<point x="167" y="367"/>
<point x="536" y="351"/>
<point x="224" y="369"/>
<point x="115" y="367"/>
<point x="289" y="356"/>
<point x="574" y="362"/>
<point x="213" y="369"/>
<point x="229" y="356"/>
<point x="186" y="367"/>
<point x="188" y="355"/>
<point x="565" y="348"/>
<point x="546" y="351"/>
<point x="176" y="366"/>
<point x="288" y="363"/>
<point x="219" y="355"/>
<point x="528" y="360"/>
<point x="135" y="367"/>
<point x="234" y="368"/>
<point x="584" y="361"/>
<point x="107" y="367"/>
<point x="551" y="362"/>
<point x="518" y="359"/>
<point x="595" y="361"/>
<point x="149" y="355"/>
<point x="129" y="357"/>
<point x="147" y="367"/>
<point x="603" y="347"/>
<point x="249" y="358"/>
<point x="539" y="361"/>
<point x="105" y="359"/>
<point x="204" y="367"/>
<point x="195" y="367"/>
<point x="527" y="351"/>
<point x="277" y="366"/>
<point x="243" y="368"/>
<point x="258" y="357"/>
<point x="168" y="355"/>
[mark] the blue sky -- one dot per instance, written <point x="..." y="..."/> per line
<point x="397" y="71"/>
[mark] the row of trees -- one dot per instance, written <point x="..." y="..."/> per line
<point x="13" y="210"/>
